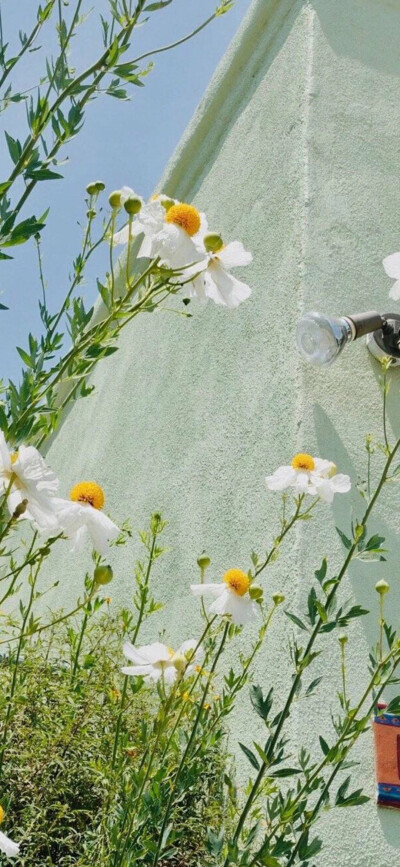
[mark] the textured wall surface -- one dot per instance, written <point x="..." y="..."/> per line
<point x="295" y="151"/>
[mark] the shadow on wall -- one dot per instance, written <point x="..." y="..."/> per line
<point x="368" y="33"/>
<point x="364" y="575"/>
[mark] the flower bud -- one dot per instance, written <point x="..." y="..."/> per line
<point x="103" y="575"/>
<point x="256" y="592"/>
<point x="213" y="242"/>
<point x="20" y="509"/>
<point x="382" y="587"/>
<point x="155" y="522"/>
<point x="180" y="662"/>
<point x="95" y="187"/>
<point x="278" y="598"/>
<point x="203" y="561"/>
<point x="167" y="203"/>
<point x="343" y="639"/>
<point x="132" y="205"/>
<point x="115" y="199"/>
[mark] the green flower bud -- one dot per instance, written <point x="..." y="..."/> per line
<point x="103" y="575"/>
<point x="213" y="242"/>
<point x="256" y="592"/>
<point x="382" y="587"/>
<point x="167" y="203"/>
<point x="115" y="199"/>
<point x="20" y="509"/>
<point x="95" y="187"/>
<point x="180" y="662"/>
<point x="278" y="598"/>
<point x="155" y="522"/>
<point x="132" y="205"/>
<point x="203" y="561"/>
<point x="343" y="639"/>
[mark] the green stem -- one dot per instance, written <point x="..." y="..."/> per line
<point x="188" y="746"/>
<point x="16" y="662"/>
<point x="143" y="601"/>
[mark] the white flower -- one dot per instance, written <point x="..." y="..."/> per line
<point x="172" y="233"/>
<point x="392" y="267"/>
<point x="231" y="597"/>
<point x="214" y="280"/>
<point x="81" y="517"/>
<point x="308" y="475"/>
<point x="153" y="661"/>
<point x="8" y="846"/>
<point x="31" y="480"/>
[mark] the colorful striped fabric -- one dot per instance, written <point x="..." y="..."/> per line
<point x="387" y="758"/>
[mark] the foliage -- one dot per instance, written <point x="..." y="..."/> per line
<point x="109" y="767"/>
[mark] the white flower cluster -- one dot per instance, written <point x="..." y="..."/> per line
<point x="236" y="597"/>
<point x="30" y="489"/>
<point x="177" y="234"/>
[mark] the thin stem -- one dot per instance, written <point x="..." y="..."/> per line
<point x="26" y="614"/>
<point x="143" y="601"/>
<point x="188" y="747"/>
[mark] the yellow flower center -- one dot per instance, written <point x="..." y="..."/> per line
<point x="88" y="492"/>
<point x="185" y="216"/>
<point x="237" y="581"/>
<point x="303" y="462"/>
<point x="14" y="457"/>
<point x="2" y="814"/>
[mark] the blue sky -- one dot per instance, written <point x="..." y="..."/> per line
<point x="121" y="143"/>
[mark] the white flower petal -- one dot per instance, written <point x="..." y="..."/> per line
<point x="341" y="483"/>
<point x="242" y="609"/>
<point x="156" y="652"/>
<point x="222" y="604"/>
<point x="30" y="467"/>
<point x="101" y="528"/>
<point x="136" y="670"/>
<point x="223" y="288"/>
<point x="5" y="460"/>
<point x="234" y="255"/>
<point x="281" y="479"/>
<point x="121" y="237"/>
<point x="204" y="589"/>
<point x="8" y="846"/>
<point x="169" y="673"/>
<point x="322" y="467"/>
<point x="392" y="265"/>
<point x="394" y="293"/>
<point x="133" y="654"/>
<point x="325" y="490"/>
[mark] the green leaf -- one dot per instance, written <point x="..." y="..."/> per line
<point x="251" y="757"/>
<point x="25" y="357"/>
<point x="320" y="573"/>
<point x="14" y="147"/>
<point x="286" y="772"/>
<point x="323" y="745"/>
<point x="261" y="705"/>
<point x="313" y="685"/>
<point x="394" y="705"/>
<point x="346" y="542"/>
<point x="152" y="7"/>
<point x="215" y="842"/>
<point x="296" y="620"/>
<point x="42" y="175"/>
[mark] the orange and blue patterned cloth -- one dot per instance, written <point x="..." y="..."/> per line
<point x="387" y="758"/>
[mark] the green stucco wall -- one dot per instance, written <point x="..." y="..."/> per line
<point x="296" y="152"/>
